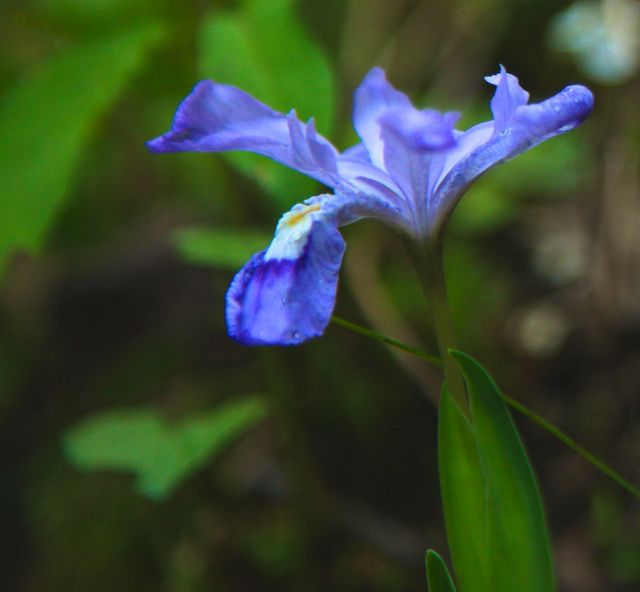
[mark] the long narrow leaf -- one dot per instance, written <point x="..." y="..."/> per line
<point x="519" y="547"/>
<point x="438" y="578"/>
<point x="463" y="497"/>
<point x="552" y="429"/>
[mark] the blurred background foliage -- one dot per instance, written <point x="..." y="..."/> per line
<point x="143" y="450"/>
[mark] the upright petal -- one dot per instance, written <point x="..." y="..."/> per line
<point x="373" y="98"/>
<point x="508" y="97"/>
<point x="415" y="143"/>
<point x="219" y="117"/>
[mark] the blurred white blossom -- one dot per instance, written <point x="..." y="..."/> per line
<point x="604" y="38"/>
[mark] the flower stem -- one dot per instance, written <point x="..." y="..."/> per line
<point x="388" y="340"/>
<point x="528" y="413"/>
<point x="429" y="262"/>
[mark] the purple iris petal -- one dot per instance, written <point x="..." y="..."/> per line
<point x="422" y="131"/>
<point x="373" y="98"/>
<point x="287" y="301"/>
<point x="519" y="128"/>
<point x="410" y="170"/>
<point x="218" y="118"/>
<point x="414" y="143"/>
<point x="508" y="97"/>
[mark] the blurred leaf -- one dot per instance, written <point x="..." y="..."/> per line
<point x="161" y="454"/>
<point x="228" y="249"/>
<point x="462" y="485"/>
<point x="47" y="121"/>
<point x="263" y="49"/>
<point x="517" y="542"/>
<point x="552" y="171"/>
<point x="486" y="209"/>
<point x="438" y="576"/>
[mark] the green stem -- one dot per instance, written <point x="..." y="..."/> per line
<point x="519" y="407"/>
<point x="428" y="259"/>
<point x="571" y="443"/>
<point x="388" y="340"/>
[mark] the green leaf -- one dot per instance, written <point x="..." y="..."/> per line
<point x="160" y="454"/>
<point x="462" y="486"/>
<point x="438" y="577"/>
<point x="46" y="123"/>
<point x="263" y="49"/>
<point x="227" y="249"/>
<point x="517" y="551"/>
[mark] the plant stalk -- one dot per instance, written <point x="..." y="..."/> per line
<point x="429" y="262"/>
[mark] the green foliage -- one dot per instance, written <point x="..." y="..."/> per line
<point x="263" y="49"/>
<point x="438" y="577"/>
<point x="114" y="314"/>
<point x="462" y="486"/>
<point x="160" y="454"/>
<point x="495" y="520"/>
<point x="228" y="249"/>
<point x="98" y="13"/>
<point x="47" y="121"/>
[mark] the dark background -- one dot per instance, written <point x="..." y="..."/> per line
<point x="106" y="303"/>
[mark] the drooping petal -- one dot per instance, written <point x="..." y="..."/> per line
<point x="285" y="294"/>
<point x="287" y="300"/>
<point x="219" y="117"/>
<point x="527" y="126"/>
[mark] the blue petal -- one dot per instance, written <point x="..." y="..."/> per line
<point x="526" y="127"/>
<point x="420" y="131"/>
<point x="285" y="294"/>
<point x="404" y="142"/>
<point x="411" y="140"/>
<point x="415" y="146"/>
<point x="218" y="117"/>
<point x="373" y="98"/>
<point x="287" y="299"/>
<point x="379" y="107"/>
<point x="508" y="97"/>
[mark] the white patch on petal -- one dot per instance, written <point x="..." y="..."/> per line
<point x="292" y="232"/>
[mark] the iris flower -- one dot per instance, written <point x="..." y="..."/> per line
<point x="409" y="171"/>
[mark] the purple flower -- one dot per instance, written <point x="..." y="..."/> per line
<point x="409" y="171"/>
